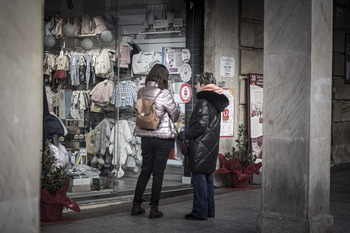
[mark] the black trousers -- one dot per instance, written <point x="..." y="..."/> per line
<point x="155" y="153"/>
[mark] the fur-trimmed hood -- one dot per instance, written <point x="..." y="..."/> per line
<point x="220" y="101"/>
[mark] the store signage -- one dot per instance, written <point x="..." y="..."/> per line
<point x="255" y="113"/>
<point x="185" y="72"/>
<point x="186" y="55"/>
<point x="227" y="116"/>
<point x="185" y="92"/>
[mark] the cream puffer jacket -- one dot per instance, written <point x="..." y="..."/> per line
<point x="164" y="103"/>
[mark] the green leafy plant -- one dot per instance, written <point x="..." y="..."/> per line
<point x="241" y="150"/>
<point x="52" y="178"/>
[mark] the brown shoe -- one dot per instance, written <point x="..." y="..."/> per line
<point x="155" y="213"/>
<point x="137" y="209"/>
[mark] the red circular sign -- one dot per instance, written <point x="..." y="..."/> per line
<point x="185" y="92"/>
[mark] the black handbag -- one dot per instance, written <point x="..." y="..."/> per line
<point x="183" y="146"/>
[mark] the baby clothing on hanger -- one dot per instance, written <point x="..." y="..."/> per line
<point x="75" y="63"/>
<point x="126" y="93"/>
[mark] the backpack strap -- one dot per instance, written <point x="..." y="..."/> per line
<point x="142" y="93"/>
<point x="157" y="95"/>
<point x="160" y="119"/>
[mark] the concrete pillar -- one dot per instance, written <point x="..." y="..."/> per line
<point x="21" y="114"/>
<point x="297" y="116"/>
<point x="221" y="24"/>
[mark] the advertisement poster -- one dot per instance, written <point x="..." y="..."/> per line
<point x="172" y="59"/>
<point x="255" y="113"/>
<point x="227" y="67"/>
<point x="227" y="116"/>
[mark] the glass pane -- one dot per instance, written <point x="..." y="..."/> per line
<point x="92" y="75"/>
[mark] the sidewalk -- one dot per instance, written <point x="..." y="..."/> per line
<point x="236" y="211"/>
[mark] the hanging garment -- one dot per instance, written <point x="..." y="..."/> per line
<point x="86" y="25"/>
<point x="89" y="68"/>
<point x="122" y="55"/>
<point x="124" y="146"/>
<point x="102" y="137"/>
<point x="49" y="66"/>
<point x="102" y="93"/>
<point x="59" y="26"/>
<point x="61" y="66"/>
<point x="80" y="102"/>
<point x="126" y="92"/>
<point x="103" y="65"/>
<point x="77" y="26"/>
<point x="67" y="99"/>
<point x="75" y="63"/>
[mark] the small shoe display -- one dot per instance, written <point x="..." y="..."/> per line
<point x="192" y="217"/>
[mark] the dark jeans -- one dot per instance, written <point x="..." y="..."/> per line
<point x="203" y="196"/>
<point x="155" y="153"/>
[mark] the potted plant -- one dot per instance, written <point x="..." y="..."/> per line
<point x="54" y="186"/>
<point x="241" y="151"/>
<point x="239" y="162"/>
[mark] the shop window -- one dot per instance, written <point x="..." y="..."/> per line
<point x="96" y="57"/>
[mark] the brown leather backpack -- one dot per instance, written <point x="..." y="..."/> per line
<point x="146" y="117"/>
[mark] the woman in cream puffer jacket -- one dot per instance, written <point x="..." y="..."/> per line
<point x="156" y="144"/>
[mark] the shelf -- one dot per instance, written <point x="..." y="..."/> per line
<point x="160" y="32"/>
<point x="87" y="35"/>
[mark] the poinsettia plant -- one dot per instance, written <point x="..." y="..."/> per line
<point x="52" y="178"/>
<point x="241" y="150"/>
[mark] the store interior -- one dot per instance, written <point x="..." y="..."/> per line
<point x="93" y="46"/>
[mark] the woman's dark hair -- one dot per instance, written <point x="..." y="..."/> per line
<point x="159" y="74"/>
<point x="205" y="78"/>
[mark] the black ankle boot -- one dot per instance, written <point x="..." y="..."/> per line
<point x="155" y="213"/>
<point x="137" y="209"/>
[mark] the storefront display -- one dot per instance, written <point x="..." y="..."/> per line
<point x="97" y="56"/>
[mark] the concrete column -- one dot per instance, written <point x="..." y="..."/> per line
<point x="21" y="42"/>
<point x="221" y="23"/>
<point x="297" y="116"/>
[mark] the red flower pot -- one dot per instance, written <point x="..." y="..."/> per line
<point x="50" y="212"/>
<point x="51" y="207"/>
<point x="238" y="183"/>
